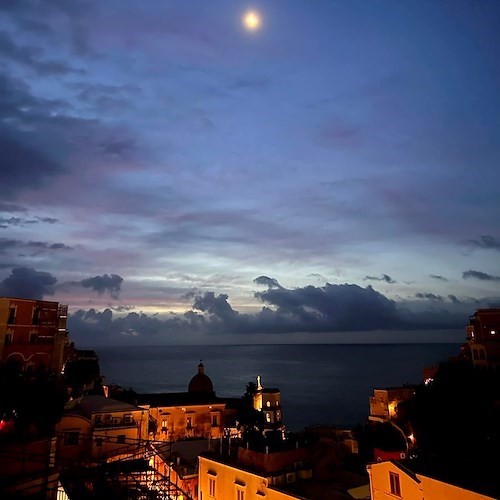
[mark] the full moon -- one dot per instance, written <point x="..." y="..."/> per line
<point x="251" y="20"/>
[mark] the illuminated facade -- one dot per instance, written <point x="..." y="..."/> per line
<point x="384" y="402"/>
<point x="391" y="480"/>
<point x="268" y="401"/>
<point x="197" y="413"/>
<point x="98" y="428"/>
<point x="483" y="338"/>
<point x="33" y="333"/>
<point x="220" y="481"/>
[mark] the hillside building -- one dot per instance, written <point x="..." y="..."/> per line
<point x="483" y="338"/>
<point x="33" y="333"/>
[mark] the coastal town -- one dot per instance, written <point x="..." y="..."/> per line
<point x="64" y="434"/>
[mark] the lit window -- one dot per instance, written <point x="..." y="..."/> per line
<point x="493" y="332"/>
<point x="128" y="419"/>
<point x="394" y="481"/>
<point x="268" y="417"/>
<point x="211" y="487"/>
<point x="164" y="424"/>
<point x="268" y="404"/>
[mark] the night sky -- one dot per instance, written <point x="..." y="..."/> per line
<point x="175" y="177"/>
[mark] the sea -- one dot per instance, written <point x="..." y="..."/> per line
<point x="320" y="384"/>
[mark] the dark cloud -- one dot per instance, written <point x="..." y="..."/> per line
<point x="217" y="306"/>
<point x="438" y="277"/>
<point x="266" y="281"/>
<point x="429" y="296"/>
<point x="479" y="276"/>
<point x="11" y="207"/>
<point x="21" y="165"/>
<point x="454" y="299"/>
<point x="5" y="222"/>
<point x="32" y="57"/>
<point x="106" y="283"/>
<point x="487" y="242"/>
<point x="332" y="307"/>
<point x="37" y="246"/>
<point x="6" y="244"/>
<point x="384" y="277"/>
<point x="11" y="221"/>
<point x="25" y="282"/>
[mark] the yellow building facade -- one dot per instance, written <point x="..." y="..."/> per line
<point x="392" y="481"/>
<point x="97" y="428"/>
<point x="221" y="481"/>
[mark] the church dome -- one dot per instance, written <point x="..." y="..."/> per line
<point x="201" y="382"/>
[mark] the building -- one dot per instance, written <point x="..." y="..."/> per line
<point x="483" y="338"/>
<point x="96" y="428"/>
<point x="384" y="402"/>
<point x="221" y="480"/>
<point x="197" y="413"/>
<point x="391" y="480"/>
<point x="33" y="333"/>
<point x="268" y="401"/>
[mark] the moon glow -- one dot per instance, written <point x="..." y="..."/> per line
<point x="251" y="20"/>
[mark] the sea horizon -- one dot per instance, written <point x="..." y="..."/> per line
<point x="320" y="384"/>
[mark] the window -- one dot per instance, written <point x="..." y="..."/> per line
<point x="8" y="338"/>
<point x="394" y="481"/>
<point x="164" y="423"/>
<point x="71" y="438"/>
<point x="98" y="419"/>
<point x="189" y="421"/>
<point x="215" y="420"/>
<point x="240" y="494"/>
<point x="33" y="338"/>
<point x="268" y="417"/>
<point x="36" y="316"/>
<point x="107" y="419"/>
<point x="128" y="419"/>
<point x="12" y="316"/>
<point x="211" y="487"/>
<point x="268" y="403"/>
<point x="98" y="442"/>
<point x="120" y="438"/>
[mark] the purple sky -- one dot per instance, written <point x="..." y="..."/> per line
<point x="336" y="170"/>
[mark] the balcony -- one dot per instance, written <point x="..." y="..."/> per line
<point x="116" y="424"/>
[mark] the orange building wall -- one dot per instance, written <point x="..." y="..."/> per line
<point x="177" y="418"/>
<point x="47" y="345"/>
